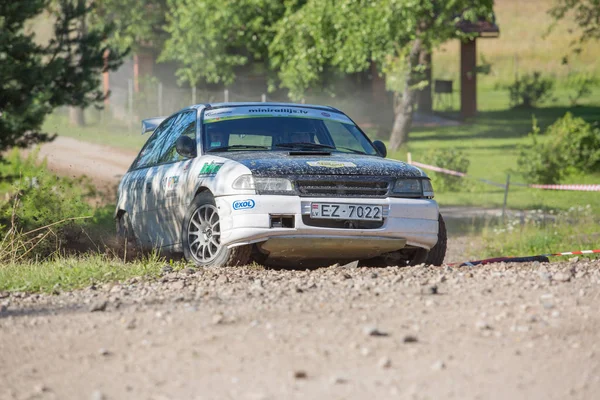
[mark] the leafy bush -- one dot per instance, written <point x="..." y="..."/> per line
<point x="449" y="159"/>
<point x="572" y="145"/>
<point x="530" y="90"/>
<point x="582" y="85"/>
<point x="39" y="209"/>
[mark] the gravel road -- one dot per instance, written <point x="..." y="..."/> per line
<point x="502" y="331"/>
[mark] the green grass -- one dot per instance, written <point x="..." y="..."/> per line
<point x="68" y="273"/>
<point x="572" y="230"/>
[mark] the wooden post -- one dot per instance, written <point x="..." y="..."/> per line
<point x="468" y="78"/>
<point x="505" y="197"/>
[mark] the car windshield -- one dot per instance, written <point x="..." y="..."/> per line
<point x="235" y="129"/>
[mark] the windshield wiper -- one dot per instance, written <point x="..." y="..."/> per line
<point x="238" y="146"/>
<point x="352" y="150"/>
<point x="305" y="145"/>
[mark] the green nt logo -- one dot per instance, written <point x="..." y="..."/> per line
<point x="210" y="169"/>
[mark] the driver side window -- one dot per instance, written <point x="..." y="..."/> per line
<point x="183" y="126"/>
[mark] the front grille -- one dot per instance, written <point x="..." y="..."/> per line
<point x="342" y="188"/>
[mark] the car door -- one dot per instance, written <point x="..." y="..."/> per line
<point x="142" y="184"/>
<point x="171" y="178"/>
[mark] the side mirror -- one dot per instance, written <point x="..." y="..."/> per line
<point x="185" y="146"/>
<point x="380" y="147"/>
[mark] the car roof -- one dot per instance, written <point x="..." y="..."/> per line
<point x="265" y="104"/>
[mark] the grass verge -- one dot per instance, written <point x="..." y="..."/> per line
<point x="75" y="272"/>
<point x="573" y="230"/>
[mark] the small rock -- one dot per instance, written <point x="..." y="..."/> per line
<point x="574" y="259"/>
<point x="299" y="374"/>
<point x="190" y="270"/>
<point x="177" y="285"/>
<point x="374" y="275"/>
<point x="115" y="289"/>
<point x="104" y="352"/>
<point x="167" y="269"/>
<point x="131" y="324"/>
<point x="353" y="264"/>
<point x="336" y="265"/>
<point x="347" y="275"/>
<point x="483" y="326"/>
<point x="545" y="276"/>
<point x="555" y="314"/>
<point x="3" y="308"/>
<point x="98" y="395"/>
<point x="438" y="366"/>
<point x="41" y="388"/>
<point x="221" y="280"/>
<point x="430" y="289"/>
<point x="410" y="339"/>
<point x="562" y="277"/>
<point x="217" y="319"/>
<point x="385" y="363"/>
<point x="99" y="306"/>
<point x="338" y="380"/>
<point x="365" y="351"/>
<point x="373" y="331"/>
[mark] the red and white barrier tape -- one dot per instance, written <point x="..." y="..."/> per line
<point x="581" y="188"/>
<point x="438" y="169"/>
<point x="574" y="253"/>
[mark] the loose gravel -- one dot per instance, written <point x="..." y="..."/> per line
<point x="518" y="331"/>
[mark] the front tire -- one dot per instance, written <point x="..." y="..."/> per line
<point x="438" y="252"/>
<point x="201" y="236"/>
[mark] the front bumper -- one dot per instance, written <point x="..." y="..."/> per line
<point x="407" y="222"/>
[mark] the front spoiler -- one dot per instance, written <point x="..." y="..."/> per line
<point x="323" y="247"/>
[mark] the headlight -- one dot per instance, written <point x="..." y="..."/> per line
<point x="414" y="187"/>
<point x="427" y="188"/>
<point x="408" y="186"/>
<point x="263" y="185"/>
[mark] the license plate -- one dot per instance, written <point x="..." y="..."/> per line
<point x="346" y="211"/>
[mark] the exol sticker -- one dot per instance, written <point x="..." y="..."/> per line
<point x="243" y="204"/>
<point x="210" y="169"/>
<point x="331" y="164"/>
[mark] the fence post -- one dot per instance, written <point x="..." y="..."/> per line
<point x="409" y="158"/>
<point x="193" y="94"/>
<point x="505" y="197"/>
<point x="160" y="99"/>
<point x="129" y="103"/>
<point x="226" y="96"/>
<point x="263" y="98"/>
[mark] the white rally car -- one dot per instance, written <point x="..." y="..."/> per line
<point x="229" y="183"/>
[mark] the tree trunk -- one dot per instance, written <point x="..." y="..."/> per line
<point x="404" y="111"/>
<point x="76" y="116"/>
<point x="425" y="100"/>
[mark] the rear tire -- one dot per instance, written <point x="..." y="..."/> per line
<point x="438" y="252"/>
<point x="201" y="236"/>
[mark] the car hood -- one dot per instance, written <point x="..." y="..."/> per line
<point x="282" y="163"/>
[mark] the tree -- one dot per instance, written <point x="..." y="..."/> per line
<point x="136" y="24"/>
<point x="211" y="39"/>
<point x="586" y="14"/>
<point x="348" y="34"/>
<point x="38" y="78"/>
